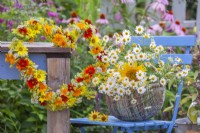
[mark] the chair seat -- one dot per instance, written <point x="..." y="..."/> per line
<point x="134" y="126"/>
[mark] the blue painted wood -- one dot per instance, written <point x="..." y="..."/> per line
<point x="186" y="58"/>
<point x="82" y="130"/>
<point x="112" y="121"/>
<point x="12" y="73"/>
<point x="189" y="40"/>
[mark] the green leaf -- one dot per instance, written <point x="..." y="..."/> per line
<point x="168" y="108"/>
<point x="31" y="119"/>
<point x="185" y="100"/>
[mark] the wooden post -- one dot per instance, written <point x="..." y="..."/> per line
<point x="58" y="68"/>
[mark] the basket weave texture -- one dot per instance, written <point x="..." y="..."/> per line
<point x="147" y="104"/>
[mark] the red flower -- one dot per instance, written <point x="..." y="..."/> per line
<point x="23" y="31"/>
<point x="70" y="87"/>
<point x="79" y="79"/>
<point x="64" y="98"/>
<point x="90" y="70"/>
<point x="32" y="82"/>
<point x="22" y="64"/>
<point x="88" y="33"/>
<point x="43" y="103"/>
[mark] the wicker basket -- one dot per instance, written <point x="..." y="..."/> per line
<point x="147" y="104"/>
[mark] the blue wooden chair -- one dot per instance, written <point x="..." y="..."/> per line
<point x="129" y="127"/>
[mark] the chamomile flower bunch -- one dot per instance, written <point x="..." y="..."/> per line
<point x="132" y="67"/>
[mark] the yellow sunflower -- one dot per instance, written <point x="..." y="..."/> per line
<point x="94" y="116"/>
<point x="21" y="49"/>
<point x="40" y="75"/>
<point x="103" y="118"/>
<point x="94" y="40"/>
<point x="130" y="71"/>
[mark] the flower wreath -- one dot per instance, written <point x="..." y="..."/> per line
<point x="68" y="95"/>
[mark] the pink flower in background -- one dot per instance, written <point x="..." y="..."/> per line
<point x="158" y="6"/>
<point x="151" y="31"/>
<point x="74" y="18"/>
<point x="18" y="5"/>
<point x="157" y="28"/>
<point x="118" y="16"/>
<point x="176" y="26"/>
<point x="10" y="24"/>
<point x="52" y="14"/>
<point x="181" y="31"/>
<point x="102" y="19"/>
<point x="165" y="2"/>
<point x="1" y="20"/>
<point x="169" y="16"/>
<point x="3" y="8"/>
<point x="127" y="1"/>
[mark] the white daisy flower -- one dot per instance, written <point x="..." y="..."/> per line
<point x="185" y="72"/>
<point x="124" y="40"/>
<point x="117" y="51"/>
<point x="110" y="71"/>
<point x="113" y="61"/>
<point x="128" y="92"/>
<point x="128" y="39"/>
<point x="156" y="50"/>
<point x="179" y="75"/>
<point x="141" y="90"/>
<point x="117" y="98"/>
<point x="140" y="74"/>
<point x="187" y="67"/>
<point x="160" y="47"/>
<point x="106" y="89"/>
<point x="153" y="78"/>
<point x="110" y="93"/>
<point x="120" y="91"/>
<point x="161" y="63"/>
<point x="146" y="35"/>
<point x="141" y="56"/>
<point x="136" y="50"/>
<point x="131" y="56"/>
<point x="126" y="33"/>
<point x="95" y="81"/>
<point x="115" y="57"/>
<point x="162" y="81"/>
<point x="112" y="53"/>
<point x="105" y="59"/>
<point x="170" y="59"/>
<point x="110" y="83"/>
<point x="133" y="84"/>
<point x="147" y="64"/>
<point x="152" y="44"/>
<point x="139" y="29"/>
<point x="101" y="88"/>
<point x="133" y="101"/>
<point x="115" y="35"/>
<point x="177" y="59"/>
<point x="106" y="38"/>
<point x="125" y="84"/>
<point x="118" y="40"/>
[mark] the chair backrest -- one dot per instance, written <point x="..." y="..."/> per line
<point x="172" y="41"/>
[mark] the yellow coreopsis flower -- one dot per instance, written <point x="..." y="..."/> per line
<point x="103" y="118"/>
<point x="40" y="75"/>
<point x="20" y="49"/>
<point x="71" y="102"/>
<point x="94" y="40"/>
<point x="94" y="116"/>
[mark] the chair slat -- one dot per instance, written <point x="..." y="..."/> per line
<point x="186" y="58"/>
<point x="166" y="40"/>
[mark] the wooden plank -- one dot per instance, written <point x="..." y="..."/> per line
<point x="179" y="9"/>
<point x="189" y="40"/>
<point x="8" y="73"/>
<point x="58" y="73"/>
<point x="37" y="47"/>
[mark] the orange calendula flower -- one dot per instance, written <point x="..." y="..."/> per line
<point x="77" y="92"/>
<point x="90" y="70"/>
<point x="47" y="29"/>
<point x="64" y="91"/>
<point x="29" y="71"/>
<point x="96" y="50"/>
<point x="58" y="101"/>
<point x="57" y="38"/>
<point x="81" y="25"/>
<point x="49" y="95"/>
<point x="10" y="58"/>
<point x="42" y="87"/>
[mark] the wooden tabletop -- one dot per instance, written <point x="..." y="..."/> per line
<point x="37" y="47"/>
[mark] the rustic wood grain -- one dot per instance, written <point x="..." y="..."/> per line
<point x="58" y="73"/>
<point x="37" y="47"/>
